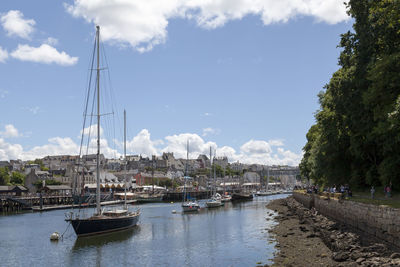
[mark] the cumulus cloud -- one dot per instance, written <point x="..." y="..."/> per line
<point x="256" y="147"/>
<point x="253" y="151"/>
<point x="276" y="142"/>
<point x="14" y="24"/>
<point x="142" y="144"/>
<point x="43" y="54"/>
<point x="51" y="41"/>
<point x="177" y="144"/>
<point x="91" y="130"/>
<point x="143" y="24"/>
<point x="10" y="131"/>
<point x="210" y="131"/>
<point x="3" y="55"/>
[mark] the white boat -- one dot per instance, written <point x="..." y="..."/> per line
<point x="216" y="199"/>
<point x="190" y="206"/>
<point x="187" y="203"/>
<point x="226" y="198"/>
<point x="214" y="203"/>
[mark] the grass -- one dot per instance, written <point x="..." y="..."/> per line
<point x="364" y="196"/>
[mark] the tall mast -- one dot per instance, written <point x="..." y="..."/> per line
<point x="215" y="176"/>
<point x="98" y="207"/>
<point x="186" y="171"/>
<point x="210" y="170"/>
<point x="126" y="162"/>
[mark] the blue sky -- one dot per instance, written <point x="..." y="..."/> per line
<point x="241" y="76"/>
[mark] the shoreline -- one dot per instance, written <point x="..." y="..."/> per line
<point x="306" y="238"/>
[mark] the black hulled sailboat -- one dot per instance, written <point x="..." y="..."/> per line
<point x="111" y="220"/>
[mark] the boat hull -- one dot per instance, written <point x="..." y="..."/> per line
<point x="94" y="226"/>
<point x="214" y="204"/>
<point x="241" y="196"/>
<point x="190" y="207"/>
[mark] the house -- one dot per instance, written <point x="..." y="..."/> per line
<point x="58" y="189"/>
<point x="15" y="190"/>
<point x="33" y="176"/>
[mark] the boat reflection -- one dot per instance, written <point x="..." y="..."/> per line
<point x="104" y="239"/>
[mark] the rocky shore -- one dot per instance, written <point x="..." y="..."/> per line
<point x="306" y="238"/>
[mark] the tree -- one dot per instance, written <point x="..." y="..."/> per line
<point x="4" y="176"/>
<point x="17" y="178"/>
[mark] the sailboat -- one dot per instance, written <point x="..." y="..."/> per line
<point x="225" y="197"/>
<point x="187" y="203"/>
<point x="216" y="199"/>
<point x="111" y="220"/>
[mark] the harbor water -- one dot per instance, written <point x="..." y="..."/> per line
<point x="233" y="235"/>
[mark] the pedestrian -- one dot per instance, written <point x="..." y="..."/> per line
<point x="389" y="191"/>
<point x="372" y="192"/>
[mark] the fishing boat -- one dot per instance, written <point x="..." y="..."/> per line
<point x="188" y="204"/>
<point x="103" y="221"/>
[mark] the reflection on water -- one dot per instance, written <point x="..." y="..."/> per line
<point x="101" y="240"/>
<point x="232" y="235"/>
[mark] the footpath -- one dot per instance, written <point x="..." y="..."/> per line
<point x="306" y="238"/>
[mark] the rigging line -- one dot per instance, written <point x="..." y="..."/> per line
<point x="114" y="103"/>
<point x="91" y="121"/>
<point x="85" y="112"/>
<point x="116" y="117"/>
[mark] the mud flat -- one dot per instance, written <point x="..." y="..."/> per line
<point x="306" y="238"/>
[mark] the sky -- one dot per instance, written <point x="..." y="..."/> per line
<point x="241" y="76"/>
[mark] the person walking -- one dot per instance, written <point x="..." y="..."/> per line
<point x="372" y="192"/>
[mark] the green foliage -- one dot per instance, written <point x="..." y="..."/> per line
<point x="356" y="138"/>
<point x="17" y="178"/>
<point x="4" y="176"/>
<point x="40" y="163"/>
<point x="39" y="183"/>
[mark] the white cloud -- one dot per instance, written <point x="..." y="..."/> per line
<point x="10" y="151"/>
<point x="3" y="55"/>
<point x="43" y="54"/>
<point x="210" y="131"/>
<point x="256" y="147"/>
<point x="253" y="151"/>
<point x="10" y="131"/>
<point x="143" y="24"/>
<point x="14" y="24"/>
<point x="51" y="41"/>
<point x="142" y="144"/>
<point x="92" y="130"/>
<point x="276" y="142"/>
<point x="177" y="144"/>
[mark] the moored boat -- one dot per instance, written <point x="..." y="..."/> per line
<point x="241" y="196"/>
<point x="111" y="220"/>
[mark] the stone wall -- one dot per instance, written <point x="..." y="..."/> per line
<point x="380" y="221"/>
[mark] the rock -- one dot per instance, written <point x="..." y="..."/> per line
<point x="303" y="229"/>
<point x="359" y="260"/>
<point x="395" y="256"/>
<point x="340" y="256"/>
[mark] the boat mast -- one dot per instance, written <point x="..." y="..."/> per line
<point x="215" y="176"/>
<point x="98" y="208"/>
<point x="209" y="181"/>
<point x="186" y="171"/>
<point x="126" y="162"/>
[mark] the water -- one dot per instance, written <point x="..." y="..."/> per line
<point x="233" y="235"/>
